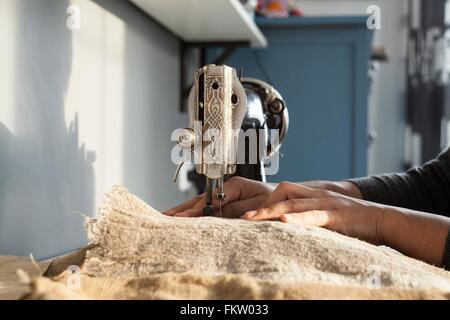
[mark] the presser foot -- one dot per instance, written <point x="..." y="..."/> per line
<point x="208" y="210"/>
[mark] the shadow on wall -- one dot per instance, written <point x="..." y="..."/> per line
<point x="46" y="176"/>
<point x="123" y="88"/>
<point x="151" y="102"/>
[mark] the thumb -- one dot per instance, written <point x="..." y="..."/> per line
<point x="318" y="218"/>
<point x="237" y="208"/>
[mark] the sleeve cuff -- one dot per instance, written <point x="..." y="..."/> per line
<point x="363" y="185"/>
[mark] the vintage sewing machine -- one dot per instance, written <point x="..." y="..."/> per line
<point x="220" y="104"/>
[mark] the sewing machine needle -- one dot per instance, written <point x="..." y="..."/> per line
<point x="220" y="195"/>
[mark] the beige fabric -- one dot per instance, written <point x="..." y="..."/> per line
<point x="14" y="283"/>
<point x="228" y="286"/>
<point x="136" y="252"/>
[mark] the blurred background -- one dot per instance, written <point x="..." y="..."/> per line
<point x="91" y="90"/>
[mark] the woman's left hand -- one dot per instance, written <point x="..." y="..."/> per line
<point x="298" y="204"/>
<point x="417" y="234"/>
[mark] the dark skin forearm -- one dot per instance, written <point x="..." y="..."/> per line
<point x="345" y="188"/>
<point x="416" y="234"/>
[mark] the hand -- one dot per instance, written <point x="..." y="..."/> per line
<point x="241" y="195"/>
<point x="299" y="204"/>
<point x="345" y="188"/>
<point x="417" y="234"/>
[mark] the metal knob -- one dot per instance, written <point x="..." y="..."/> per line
<point x="276" y="106"/>
<point x="186" y="138"/>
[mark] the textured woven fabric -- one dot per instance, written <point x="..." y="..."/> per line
<point x="136" y="252"/>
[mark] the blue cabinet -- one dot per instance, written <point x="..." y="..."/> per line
<point x="319" y="65"/>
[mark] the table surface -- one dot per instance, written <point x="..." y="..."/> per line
<point x="11" y="285"/>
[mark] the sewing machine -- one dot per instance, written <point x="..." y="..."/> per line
<point x="220" y="104"/>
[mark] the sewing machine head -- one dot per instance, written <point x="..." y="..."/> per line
<point x="217" y="106"/>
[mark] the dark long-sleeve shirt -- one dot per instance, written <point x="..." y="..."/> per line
<point x="425" y="188"/>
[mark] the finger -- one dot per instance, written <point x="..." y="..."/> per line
<point x="275" y="211"/>
<point x="287" y="190"/>
<point x="232" y="189"/>
<point x="232" y="192"/>
<point x="197" y="209"/>
<point x="184" y="206"/>
<point x="191" y="208"/>
<point x="194" y="212"/>
<point x="237" y="208"/>
<point x="318" y="218"/>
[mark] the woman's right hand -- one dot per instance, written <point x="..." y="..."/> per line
<point x="241" y="195"/>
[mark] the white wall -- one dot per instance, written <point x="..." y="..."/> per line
<point x="387" y="101"/>
<point x="80" y="111"/>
